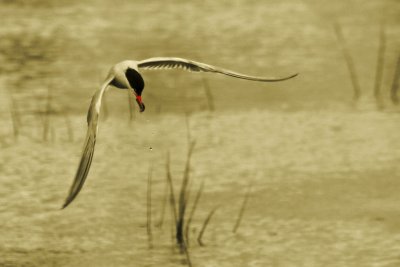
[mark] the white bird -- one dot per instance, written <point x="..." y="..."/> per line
<point x="125" y="75"/>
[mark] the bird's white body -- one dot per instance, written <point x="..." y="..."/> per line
<point x="122" y="66"/>
<point x="125" y="75"/>
<point x="118" y="71"/>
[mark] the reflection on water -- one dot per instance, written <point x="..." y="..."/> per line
<point x="325" y="174"/>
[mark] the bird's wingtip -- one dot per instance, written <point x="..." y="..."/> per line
<point x="66" y="203"/>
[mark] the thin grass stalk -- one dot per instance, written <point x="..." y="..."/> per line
<point x="158" y="109"/>
<point x="192" y="211"/>
<point x="203" y="228"/>
<point x="188" y="260"/>
<point x="395" y="85"/>
<point x="46" y="121"/>
<point x="163" y="205"/>
<point x="172" y="228"/>
<point x="131" y="107"/>
<point x="39" y="118"/>
<point x="187" y="123"/>
<point x="242" y="209"/>
<point x="40" y="121"/>
<point x="183" y="196"/>
<point x="14" y="117"/>
<point x="379" y="67"/>
<point x="48" y="111"/>
<point x="172" y="200"/>
<point x="70" y="131"/>
<point x="14" y="114"/>
<point x="187" y="198"/>
<point x="52" y="134"/>
<point x="349" y="62"/>
<point x="148" y="221"/>
<point x="208" y="93"/>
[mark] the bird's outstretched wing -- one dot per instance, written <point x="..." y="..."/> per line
<point x="190" y="65"/>
<point x="88" y="149"/>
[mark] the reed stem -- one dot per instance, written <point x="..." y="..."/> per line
<point x="192" y="211"/>
<point x="163" y="205"/>
<point x="172" y="200"/>
<point x="183" y="197"/>
<point x="349" y="62"/>
<point x="395" y="84"/>
<point x="379" y="67"/>
<point x="208" y="93"/>
<point x="47" y="113"/>
<point x="242" y="209"/>
<point x="148" y="222"/>
<point x="203" y="229"/>
<point x="131" y="106"/>
<point x="14" y="117"/>
<point x="70" y="131"/>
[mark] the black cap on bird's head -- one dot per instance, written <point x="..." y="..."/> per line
<point x="137" y="83"/>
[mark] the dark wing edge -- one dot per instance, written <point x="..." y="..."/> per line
<point x="83" y="169"/>
<point x="254" y="78"/>
<point x="190" y="65"/>
<point x="172" y="63"/>
<point x="89" y="145"/>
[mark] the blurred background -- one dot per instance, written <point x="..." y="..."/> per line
<point x="67" y="47"/>
<point x="320" y="150"/>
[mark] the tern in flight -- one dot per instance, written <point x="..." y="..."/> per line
<point x="125" y="75"/>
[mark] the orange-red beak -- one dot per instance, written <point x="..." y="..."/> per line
<point x="140" y="103"/>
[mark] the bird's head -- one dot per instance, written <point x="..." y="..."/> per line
<point x="137" y="83"/>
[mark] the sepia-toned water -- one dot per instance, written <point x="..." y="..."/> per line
<point x="320" y="170"/>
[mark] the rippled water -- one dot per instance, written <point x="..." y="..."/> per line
<point x="324" y="192"/>
<point x="324" y="172"/>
